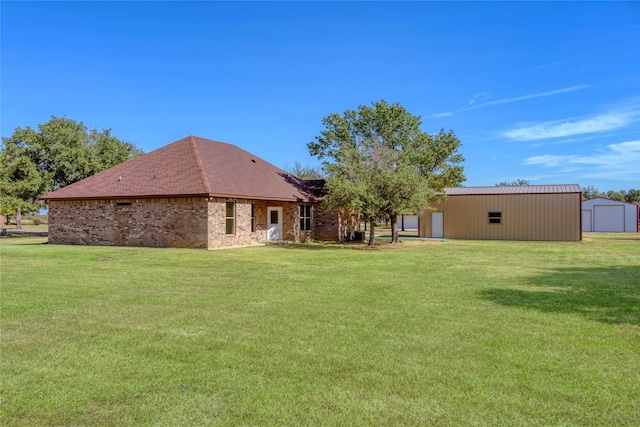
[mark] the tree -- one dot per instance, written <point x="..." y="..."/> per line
<point x="60" y="152"/>
<point x="633" y="196"/>
<point x="617" y="195"/>
<point x="304" y="172"/>
<point x="517" y="183"/>
<point x="591" y="192"/>
<point x="20" y="185"/>
<point x="378" y="161"/>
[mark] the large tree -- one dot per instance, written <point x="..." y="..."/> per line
<point x="304" y="172"/>
<point x="378" y="160"/>
<point x="60" y="152"/>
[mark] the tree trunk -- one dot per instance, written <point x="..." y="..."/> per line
<point x="372" y="232"/>
<point x="18" y="220"/>
<point x="395" y="237"/>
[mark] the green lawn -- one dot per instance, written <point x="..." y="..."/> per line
<point x="425" y="333"/>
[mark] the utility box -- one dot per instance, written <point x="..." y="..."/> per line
<point x="358" y="236"/>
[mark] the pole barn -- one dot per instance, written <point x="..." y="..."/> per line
<point x="612" y="216"/>
<point x="532" y="212"/>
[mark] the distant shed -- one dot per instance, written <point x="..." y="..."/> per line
<point x="605" y="215"/>
<point x="532" y="212"/>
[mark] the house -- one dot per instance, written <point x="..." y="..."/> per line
<point x="605" y="215"/>
<point x="532" y="212"/>
<point x="193" y="193"/>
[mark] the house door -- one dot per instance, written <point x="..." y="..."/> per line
<point x="274" y="223"/>
<point x="437" y="225"/>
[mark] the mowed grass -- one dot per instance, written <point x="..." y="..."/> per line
<point x="424" y="333"/>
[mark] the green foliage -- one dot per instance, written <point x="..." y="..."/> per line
<point x="517" y="183"/>
<point x="591" y="192"/>
<point x="61" y="152"/>
<point x="20" y="182"/>
<point x="631" y="196"/>
<point x="379" y="161"/>
<point x="616" y="195"/>
<point x="304" y="172"/>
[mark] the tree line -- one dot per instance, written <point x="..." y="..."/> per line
<point x="59" y="152"/>
<point x="375" y="159"/>
<point x="629" y="196"/>
<point x="591" y="192"/>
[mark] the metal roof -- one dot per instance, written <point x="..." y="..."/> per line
<point x="514" y="189"/>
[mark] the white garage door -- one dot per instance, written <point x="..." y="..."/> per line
<point x="608" y="218"/>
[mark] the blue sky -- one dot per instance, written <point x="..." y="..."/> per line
<point x="548" y="92"/>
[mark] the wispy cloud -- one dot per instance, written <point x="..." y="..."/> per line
<point x="530" y="96"/>
<point x="476" y="97"/>
<point x="586" y="54"/>
<point x="473" y="106"/>
<point x="559" y="128"/>
<point x="616" y="161"/>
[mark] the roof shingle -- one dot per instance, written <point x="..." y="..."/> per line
<point x="189" y="167"/>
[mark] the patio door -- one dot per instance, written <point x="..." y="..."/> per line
<point x="274" y="223"/>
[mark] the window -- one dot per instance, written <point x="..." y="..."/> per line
<point x="495" y="217"/>
<point x="230" y="220"/>
<point x="305" y="217"/>
<point x="253" y="217"/>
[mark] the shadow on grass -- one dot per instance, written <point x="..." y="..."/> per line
<point x="319" y="246"/>
<point x="359" y="246"/>
<point x="608" y="295"/>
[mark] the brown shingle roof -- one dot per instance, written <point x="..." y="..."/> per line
<point x="189" y="167"/>
<point x="514" y="189"/>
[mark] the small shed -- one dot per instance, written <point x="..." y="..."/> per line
<point x="606" y="215"/>
<point x="531" y="212"/>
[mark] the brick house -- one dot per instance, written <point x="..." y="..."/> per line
<point x="193" y="193"/>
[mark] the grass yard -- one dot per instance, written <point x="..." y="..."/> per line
<point x="424" y="333"/>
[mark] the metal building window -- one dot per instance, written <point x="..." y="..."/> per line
<point x="230" y="219"/>
<point x="305" y="217"/>
<point x="495" y="217"/>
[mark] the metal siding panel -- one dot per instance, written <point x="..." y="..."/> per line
<point x="524" y="217"/>
<point x="586" y="220"/>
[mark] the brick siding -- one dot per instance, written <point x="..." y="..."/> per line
<point x="179" y="222"/>
<point x="195" y="222"/>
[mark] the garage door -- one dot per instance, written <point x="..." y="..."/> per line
<point x="608" y="218"/>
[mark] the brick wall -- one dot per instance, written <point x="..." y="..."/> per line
<point x="217" y="236"/>
<point x="196" y="222"/>
<point x="176" y="222"/>
<point x="334" y="224"/>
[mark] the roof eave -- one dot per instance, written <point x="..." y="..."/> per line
<point x="160" y="196"/>
<point x="124" y="196"/>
